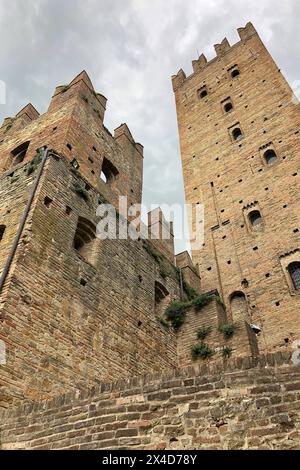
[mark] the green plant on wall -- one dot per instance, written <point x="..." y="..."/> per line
<point x="201" y="350"/>
<point x="34" y="163"/>
<point x="175" y="313"/>
<point x="189" y="290"/>
<point x="203" y="331"/>
<point x="228" y="329"/>
<point x="201" y="301"/>
<point x="226" y="352"/>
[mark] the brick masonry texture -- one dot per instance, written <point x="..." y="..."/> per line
<point x="63" y="335"/>
<point x="246" y="403"/>
<point x="231" y="178"/>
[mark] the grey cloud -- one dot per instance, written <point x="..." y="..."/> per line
<point x="130" y="50"/>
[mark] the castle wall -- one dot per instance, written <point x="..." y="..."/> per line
<point x="231" y="178"/>
<point x="71" y="320"/>
<point x="243" y="404"/>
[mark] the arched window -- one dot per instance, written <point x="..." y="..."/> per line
<point x="235" y="73"/>
<point x="270" y="156"/>
<point x="108" y="171"/>
<point x="18" y="154"/>
<point x="255" y="218"/>
<point x="228" y="107"/>
<point x="2" y="230"/>
<point x="294" y="272"/>
<point x="84" y="239"/>
<point x="237" y="134"/>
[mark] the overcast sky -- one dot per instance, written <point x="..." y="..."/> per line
<point x="130" y="49"/>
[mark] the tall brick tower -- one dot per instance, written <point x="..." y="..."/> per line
<point x="239" y="135"/>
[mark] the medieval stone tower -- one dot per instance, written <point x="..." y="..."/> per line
<point x="239" y="128"/>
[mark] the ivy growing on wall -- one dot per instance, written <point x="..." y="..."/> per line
<point x="228" y="329"/>
<point x="176" y="311"/>
<point x="226" y="352"/>
<point x="34" y="163"/>
<point x="202" y="350"/>
<point x="203" y="332"/>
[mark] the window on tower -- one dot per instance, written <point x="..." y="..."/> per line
<point x="108" y="171"/>
<point x="270" y="156"/>
<point x="294" y="272"/>
<point x="255" y="218"/>
<point x="235" y="72"/>
<point x="85" y="240"/>
<point x="18" y="154"/>
<point x="228" y="107"/>
<point x="202" y="92"/>
<point x="237" y="134"/>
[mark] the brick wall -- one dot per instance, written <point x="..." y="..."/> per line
<point x="68" y="322"/>
<point x="246" y="403"/>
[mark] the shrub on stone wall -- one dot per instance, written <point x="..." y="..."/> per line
<point x="202" y="350"/>
<point x="34" y="164"/>
<point x="228" y="329"/>
<point x="203" y="332"/>
<point x="226" y="352"/>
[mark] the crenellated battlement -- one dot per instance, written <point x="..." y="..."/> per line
<point x="122" y="134"/>
<point x="221" y="49"/>
<point x="29" y="112"/>
<point x="80" y="87"/>
<point x="73" y="124"/>
<point x="160" y="232"/>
